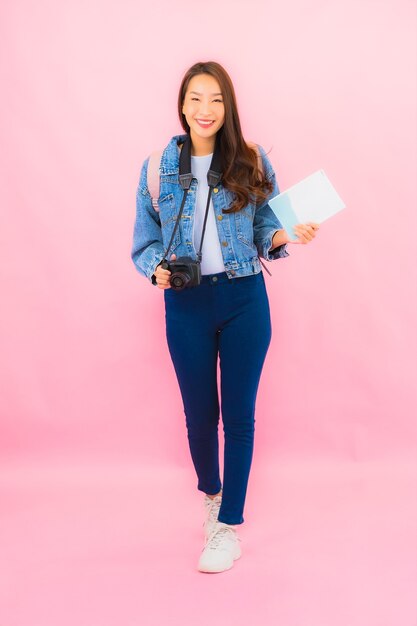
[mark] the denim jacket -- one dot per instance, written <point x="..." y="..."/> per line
<point x="243" y="235"/>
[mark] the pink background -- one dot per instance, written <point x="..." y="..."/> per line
<point x="89" y="90"/>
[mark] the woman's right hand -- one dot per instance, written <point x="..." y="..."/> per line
<point x="162" y="276"/>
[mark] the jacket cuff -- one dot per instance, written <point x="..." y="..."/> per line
<point x="157" y="259"/>
<point x="279" y="252"/>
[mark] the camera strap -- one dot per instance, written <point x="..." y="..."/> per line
<point x="214" y="175"/>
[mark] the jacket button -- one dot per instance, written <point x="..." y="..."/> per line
<point x="224" y="243"/>
<point x="220" y="217"/>
<point x="215" y="190"/>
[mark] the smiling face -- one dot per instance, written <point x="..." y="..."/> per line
<point x="204" y="111"/>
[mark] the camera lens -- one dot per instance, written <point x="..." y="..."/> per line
<point x="179" y="280"/>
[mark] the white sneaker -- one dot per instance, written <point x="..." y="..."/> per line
<point x="221" y="549"/>
<point x="212" y="507"/>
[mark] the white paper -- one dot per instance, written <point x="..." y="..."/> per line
<point x="313" y="199"/>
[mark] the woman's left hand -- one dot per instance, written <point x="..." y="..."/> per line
<point x="305" y="232"/>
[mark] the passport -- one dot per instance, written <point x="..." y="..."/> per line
<point x="313" y="199"/>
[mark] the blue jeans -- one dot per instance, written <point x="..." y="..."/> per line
<point x="229" y="318"/>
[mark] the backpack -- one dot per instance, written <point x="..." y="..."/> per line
<point x="153" y="181"/>
<point x="153" y="177"/>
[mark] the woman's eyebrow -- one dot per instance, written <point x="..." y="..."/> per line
<point x="199" y="94"/>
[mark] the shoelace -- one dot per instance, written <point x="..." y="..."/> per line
<point x="218" y="534"/>
<point x="214" y="507"/>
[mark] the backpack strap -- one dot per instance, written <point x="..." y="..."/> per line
<point x="153" y="177"/>
<point x="254" y="146"/>
<point x="260" y="165"/>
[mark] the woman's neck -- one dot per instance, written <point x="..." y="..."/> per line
<point x="201" y="146"/>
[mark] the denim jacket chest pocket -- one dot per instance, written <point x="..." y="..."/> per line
<point x="244" y="224"/>
<point x="243" y="220"/>
<point x="168" y="216"/>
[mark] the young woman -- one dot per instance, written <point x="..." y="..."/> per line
<point x="226" y="314"/>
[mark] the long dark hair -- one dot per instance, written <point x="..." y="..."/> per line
<point x="241" y="172"/>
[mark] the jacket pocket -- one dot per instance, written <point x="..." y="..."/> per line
<point x="168" y="215"/>
<point x="244" y="226"/>
<point x="166" y="207"/>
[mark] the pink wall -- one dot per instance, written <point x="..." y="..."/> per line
<point x="89" y="90"/>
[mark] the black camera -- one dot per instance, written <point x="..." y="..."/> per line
<point x="185" y="272"/>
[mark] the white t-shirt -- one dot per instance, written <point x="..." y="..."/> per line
<point x="212" y="258"/>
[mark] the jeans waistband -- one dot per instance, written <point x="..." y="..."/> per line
<point x="213" y="279"/>
<point x="221" y="277"/>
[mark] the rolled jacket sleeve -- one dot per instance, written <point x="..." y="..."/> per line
<point x="265" y="222"/>
<point x="147" y="248"/>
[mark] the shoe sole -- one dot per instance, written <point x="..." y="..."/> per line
<point x="237" y="556"/>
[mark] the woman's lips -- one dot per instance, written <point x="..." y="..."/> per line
<point x="205" y="125"/>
